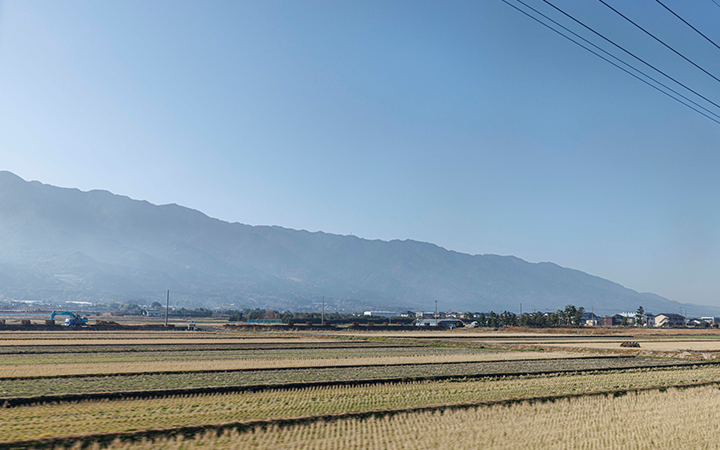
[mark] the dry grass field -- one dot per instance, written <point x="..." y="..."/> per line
<point x="183" y="382"/>
<point x="239" y="353"/>
<point x="675" y="419"/>
<point x="92" y="417"/>
<point x="200" y="364"/>
<point x="129" y="340"/>
<point x="332" y="390"/>
<point x="666" y="345"/>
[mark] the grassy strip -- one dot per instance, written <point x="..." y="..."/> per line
<point x="92" y="348"/>
<point x="249" y="354"/>
<point x="128" y="415"/>
<point x="695" y="355"/>
<point x="313" y="367"/>
<point x="104" y="439"/>
<point x="8" y="402"/>
<point x="132" y="340"/>
<point x="91" y="384"/>
<point x="651" y="420"/>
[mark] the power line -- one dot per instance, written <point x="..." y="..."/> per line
<point x="716" y="3"/>
<point x="659" y="40"/>
<point x="686" y="23"/>
<point x="608" y="61"/>
<point x="620" y="60"/>
<point x="632" y="54"/>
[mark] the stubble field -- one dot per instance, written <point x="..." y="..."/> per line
<point x="322" y="390"/>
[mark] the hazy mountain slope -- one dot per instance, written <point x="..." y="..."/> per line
<point x="64" y="243"/>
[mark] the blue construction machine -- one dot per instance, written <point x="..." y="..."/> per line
<point x="73" y="321"/>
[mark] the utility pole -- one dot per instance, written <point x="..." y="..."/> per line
<point x="436" y="313"/>
<point x="521" y="308"/>
<point x="322" y="317"/>
<point x="167" y="308"/>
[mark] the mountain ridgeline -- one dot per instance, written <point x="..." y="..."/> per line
<point x="65" y="244"/>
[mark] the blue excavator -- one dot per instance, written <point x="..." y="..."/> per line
<point x="73" y="321"/>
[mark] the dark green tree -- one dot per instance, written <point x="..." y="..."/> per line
<point x="640" y="316"/>
<point x="482" y="320"/>
<point x="578" y="316"/>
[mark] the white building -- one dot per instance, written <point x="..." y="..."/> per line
<point x="669" y="320"/>
<point x="386" y="314"/>
<point x="444" y="323"/>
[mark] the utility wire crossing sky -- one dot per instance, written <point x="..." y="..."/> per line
<point x="658" y="88"/>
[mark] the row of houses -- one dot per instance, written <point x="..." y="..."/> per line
<point x="421" y="314"/>
<point x="649" y="320"/>
<point x="589" y="318"/>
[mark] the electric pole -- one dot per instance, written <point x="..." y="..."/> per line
<point x="322" y="317"/>
<point x="167" y="308"/>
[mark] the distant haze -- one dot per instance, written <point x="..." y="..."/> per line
<point x="65" y="244"/>
<point x="461" y="123"/>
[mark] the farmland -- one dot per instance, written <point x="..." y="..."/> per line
<point x="34" y="386"/>
<point x="17" y="367"/>
<point x="650" y="420"/>
<point x="262" y="389"/>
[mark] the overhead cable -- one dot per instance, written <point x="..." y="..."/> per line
<point x="631" y="54"/>
<point x="659" y="40"/>
<point x="686" y="23"/>
<point x="621" y="61"/>
<point x="608" y="61"/>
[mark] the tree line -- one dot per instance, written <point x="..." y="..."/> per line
<point x="570" y="316"/>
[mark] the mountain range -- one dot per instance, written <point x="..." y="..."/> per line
<point x="66" y="244"/>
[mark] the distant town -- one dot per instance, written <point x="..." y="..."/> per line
<point x="570" y="316"/>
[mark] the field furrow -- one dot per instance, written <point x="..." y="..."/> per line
<point x="155" y="381"/>
<point x="91" y="417"/>
<point x="190" y="365"/>
<point x="644" y="421"/>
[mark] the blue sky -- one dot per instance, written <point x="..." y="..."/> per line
<point x="464" y="124"/>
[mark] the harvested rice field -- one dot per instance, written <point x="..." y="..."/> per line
<point x="705" y="345"/>
<point x="670" y="420"/>
<point x="240" y="363"/>
<point x="92" y="417"/>
<point x="155" y="340"/>
<point x="200" y="346"/>
<point x="248" y="354"/>
<point x="184" y="380"/>
<point x="311" y="355"/>
<point x="98" y="388"/>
